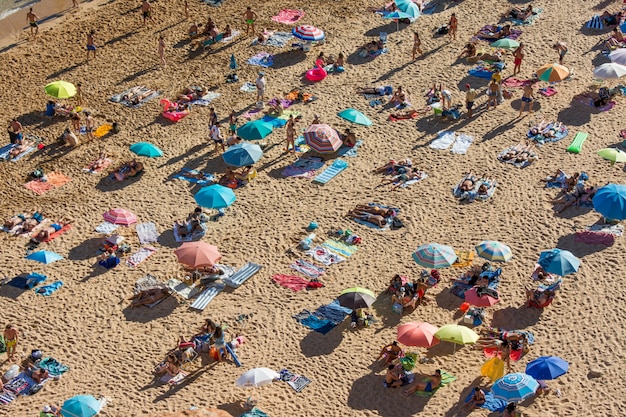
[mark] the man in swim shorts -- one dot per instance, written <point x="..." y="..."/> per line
<point x="11" y="337"/>
<point x="146" y="11"/>
<point x="32" y="18"/>
<point x="15" y="131"/>
<point x="561" y="48"/>
<point x="250" y="17"/>
<point x="527" y="99"/>
<point x="428" y="385"/>
<point x="91" y="45"/>
<point x="470" y="96"/>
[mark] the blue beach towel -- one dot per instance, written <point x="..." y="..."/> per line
<point x="262" y="59"/>
<point x="529" y="20"/>
<point x="350" y="151"/>
<point x="491" y="402"/>
<point x="182" y="175"/>
<point x="47" y="290"/>
<point x="274" y="121"/>
<point x="595" y="23"/>
<point x="331" y="172"/>
<point x="481" y="73"/>
<point x="54" y="367"/>
<point x="4" y="151"/>
<point x="333" y="312"/>
<point x="30" y="281"/>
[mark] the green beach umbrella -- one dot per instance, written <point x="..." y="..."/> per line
<point x="60" y="89"/>
<point x="552" y="73"/>
<point x="505" y="43"/>
<point x="146" y="149"/>
<point x="355" y="116"/>
<point x="255" y="130"/>
<point x="612" y="154"/>
<point x="457" y="334"/>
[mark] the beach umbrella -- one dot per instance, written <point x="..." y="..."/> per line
<point x="552" y="73"/>
<point x="255" y="130"/>
<point x="197" y="254"/>
<point x="420" y="334"/>
<point x="44" y="256"/>
<point x="494" y="251"/>
<point x="515" y="387"/>
<point x="81" y="406"/>
<point x="618" y="56"/>
<point x="60" y="89"/>
<point x="257" y="377"/>
<point x="308" y="33"/>
<point x="146" y="149"/>
<point x="397" y="15"/>
<point x="233" y="62"/>
<point x="410" y="8"/>
<point x="547" y="367"/>
<point x="559" y="261"/>
<point x="242" y="154"/>
<point x="609" y="71"/>
<point x="610" y="201"/>
<point x="355" y="116"/>
<point x="505" y="43"/>
<point x="322" y="138"/>
<point x="613" y="154"/>
<point x="215" y="196"/>
<point x="120" y="216"/>
<point x="434" y="255"/>
<point x="356" y="297"/>
<point x="478" y="299"/>
<point x="459" y="335"/>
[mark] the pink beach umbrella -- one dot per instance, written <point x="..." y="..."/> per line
<point x="475" y="297"/>
<point x="419" y="334"/>
<point x="197" y="254"/>
<point x="322" y="138"/>
<point x="120" y="216"/>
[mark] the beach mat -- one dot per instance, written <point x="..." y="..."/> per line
<point x="340" y="247"/>
<point x="107" y="228"/>
<point x="140" y="256"/>
<point x="491" y="402"/>
<point x="262" y="59"/>
<point x="303" y="167"/>
<point x="325" y="318"/>
<point x="106" y="163"/>
<point x="48" y="290"/>
<point x="54" y="367"/>
<point x="577" y="144"/>
<point x="324" y="256"/>
<point x="331" y="172"/>
<point x="206" y="99"/>
<point x="295" y="381"/>
<point x="207" y="296"/>
<point x="307" y="268"/>
<point x="39" y="187"/>
<point x="147" y="233"/>
<point x="293" y="282"/>
<point x="444" y="140"/>
<point x="350" y="151"/>
<point x="181" y="288"/>
<point x="288" y="16"/>
<point x="242" y="275"/>
<point x="118" y="98"/>
<point x="183" y="175"/>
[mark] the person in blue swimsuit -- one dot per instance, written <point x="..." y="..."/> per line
<point x="428" y="385"/>
<point x="53" y="228"/>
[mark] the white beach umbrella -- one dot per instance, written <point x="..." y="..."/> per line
<point x="618" y="56"/>
<point x="610" y="71"/>
<point x="257" y="377"/>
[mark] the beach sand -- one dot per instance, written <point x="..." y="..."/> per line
<point x="111" y="349"/>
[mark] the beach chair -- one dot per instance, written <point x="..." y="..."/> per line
<point x="577" y="144"/>
<point x="242" y="275"/>
<point x="331" y="172"/>
<point x="189" y="355"/>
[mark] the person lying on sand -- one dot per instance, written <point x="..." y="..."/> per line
<point x="191" y="94"/>
<point x="468" y="183"/>
<point x="612" y="19"/>
<point x="381" y="90"/>
<point x="500" y="33"/>
<point x="19" y="219"/>
<point x="486" y="186"/>
<point x="375" y="210"/>
<point x="22" y="145"/>
<point x="146" y="297"/>
<point x="537" y="297"/>
<point x="229" y="179"/>
<point x="577" y="197"/>
<point x="429" y="384"/>
<point x="392" y="167"/>
<point x="32" y="222"/>
<point x="520" y="153"/>
<point x="387" y="8"/>
<point x="399" y="180"/>
<point x="137" y="95"/>
<point x="468" y="51"/>
<point x="53" y="228"/>
<point x="127" y="170"/>
<point x="519" y="14"/>
<point x="378" y="220"/>
<point x="100" y="162"/>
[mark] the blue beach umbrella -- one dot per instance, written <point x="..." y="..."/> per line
<point x="355" y="116"/>
<point x="547" y="367"/>
<point x="146" y="149"/>
<point x="242" y="154"/>
<point x="233" y="62"/>
<point x="215" y="197"/>
<point x="434" y="255"/>
<point x="44" y="256"/>
<point x="610" y="201"/>
<point x="81" y="406"/>
<point x="410" y="8"/>
<point x="255" y="130"/>
<point x="515" y="387"/>
<point x="397" y="15"/>
<point x="558" y="261"/>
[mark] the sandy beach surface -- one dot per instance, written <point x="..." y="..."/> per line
<point x="111" y="349"/>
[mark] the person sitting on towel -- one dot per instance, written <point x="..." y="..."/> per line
<point x="538" y="297"/>
<point x="395" y="376"/>
<point x="391" y="351"/>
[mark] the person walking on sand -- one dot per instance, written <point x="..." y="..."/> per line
<point x="527" y="98"/>
<point x="161" y="44"/>
<point x="232" y="121"/>
<point x="250" y="17"/>
<point x="216" y="135"/>
<point x="561" y="48"/>
<point x="79" y="94"/>
<point x="518" y="55"/>
<point x="261" y="83"/>
<point x="146" y="12"/>
<point x="417" y="43"/>
<point x="91" y="44"/>
<point x="291" y="135"/>
<point x="470" y="97"/>
<point x="32" y="19"/>
<point x="11" y="337"/>
<point x="453" y="25"/>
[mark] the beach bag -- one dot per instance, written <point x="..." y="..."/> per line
<point x="396" y="223"/>
<point x="38" y="173"/>
<point x="408" y="362"/>
<point x="35" y="389"/>
<point x="397" y="308"/>
<point x="443" y="30"/>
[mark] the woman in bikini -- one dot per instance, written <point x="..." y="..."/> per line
<point x="374" y="210"/>
<point x="378" y="220"/>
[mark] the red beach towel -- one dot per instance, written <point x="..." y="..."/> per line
<point x="292" y="282"/>
<point x="58" y="233"/>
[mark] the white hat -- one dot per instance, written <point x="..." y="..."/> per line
<point x="47" y="409"/>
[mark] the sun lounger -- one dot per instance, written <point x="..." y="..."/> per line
<point x="242" y="275"/>
<point x="207" y="296"/>
<point x="331" y="172"/>
<point x="577" y="144"/>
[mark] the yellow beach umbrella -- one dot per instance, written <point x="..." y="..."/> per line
<point x="60" y="89"/>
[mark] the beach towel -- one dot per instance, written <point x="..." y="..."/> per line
<point x="57" y="179"/>
<point x="262" y="59"/>
<point x="214" y="3"/>
<point x="206" y="296"/>
<point x="105" y="163"/>
<point x="54" y="367"/>
<point x="206" y="99"/>
<point x="589" y="100"/>
<point x="577" y="144"/>
<point x="295" y="381"/>
<point x="307" y="268"/>
<point x="248" y="87"/>
<point x="303" y="167"/>
<point x="340" y="247"/>
<point x="375" y="226"/>
<point x="47" y="290"/>
<point x="481" y="72"/>
<point x="181" y="288"/>
<point x="324" y="256"/>
<point x="274" y="121"/>
<point x="528" y="21"/>
<point x="27" y="282"/>
<point x="147" y="232"/>
<point x="135" y="92"/>
<point x="39" y="187"/>
<point x="6" y="397"/>
<point x="140" y="256"/>
<point x="595" y="23"/>
<point x="487" y="31"/>
<point x="540" y="137"/>
<point x="5" y="151"/>
<point x="189" y="175"/>
<point x="333" y="312"/>
<point x="392" y="118"/>
<point x="516" y="354"/>
<point x="444" y="140"/>
<point x="230" y="38"/>
<point x="325" y="318"/>
<point x="491" y="402"/>
<point x="462" y="144"/>
<point x="614" y="229"/>
<point x="288" y="16"/>
<point x="331" y="172"/>
<point x="429" y="7"/>
<point x="107" y="228"/>
<point x="293" y="282"/>
<point x="446" y="378"/>
<point x="513" y="82"/>
<point x="464" y="258"/>
<point x="58" y="233"/>
<point x="532" y="157"/>
<point x="242" y="275"/>
<point x="594" y="238"/>
<point x="350" y="151"/>
<point x="180" y="376"/>
<point x="255" y="412"/>
<point x="276" y="39"/>
<point x="547" y="91"/>
<point x="412" y="181"/>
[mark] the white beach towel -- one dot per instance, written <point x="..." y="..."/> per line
<point x="140" y="256"/>
<point x="462" y="144"/>
<point x="444" y="140"/>
<point x="147" y="232"/>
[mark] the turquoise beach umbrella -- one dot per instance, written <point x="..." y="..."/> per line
<point x="505" y="43"/>
<point x="559" y="261"/>
<point x="215" y="197"/>
<point x="44" y="256"/>
<point x="397" y="15"/>
<point x="410" y="8"/>
<point x="255" y="130"/>
<point x="355" y="116"/>
<point x="242" y="154"/>
<point x="146" y="149"/>
<point x="81" y="406"/>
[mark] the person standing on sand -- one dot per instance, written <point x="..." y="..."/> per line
<point x="79" y="92"/>
<point x="32" y="19"/>
<point x="291" y="134"/>
<point x="11" y="337"/>
<point x="561" y="48"/>
<point x="261" y="83"/>
<point x="417" y="43"/>
<point x="470" y="97"/>
<point x="527" y="98"/>
<point x="162" y="51"/>
<point x="146" y="12"/>
<point x="250" y="17"/>
<point x="91" y="45"/>
<point x="518" y="55"/>
<point x="232" y="122"/>
<point x="453" y="25"/>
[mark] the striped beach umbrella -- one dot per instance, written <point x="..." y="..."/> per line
<point x="120" y="216"/>
<point x="494" y="251"/>
<point x="515" y="387"/>
<point x="322" y="138"/>
<point x="308" y="33"/>
<point x="434" y="255"/>
<point x="552" y="73"/>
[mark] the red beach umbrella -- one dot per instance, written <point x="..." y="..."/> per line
<point x="197" y="254"/>
<point x="419" y="334"/>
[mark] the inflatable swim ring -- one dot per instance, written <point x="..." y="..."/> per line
<point x="318" y="73"/>
<point x="173" y="116"/>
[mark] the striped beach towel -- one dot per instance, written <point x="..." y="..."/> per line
<point x="140" y="256"/>
<point x="307" y="268"/>
<point x="595" y="23"/>
<point x="207" y="296"/>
